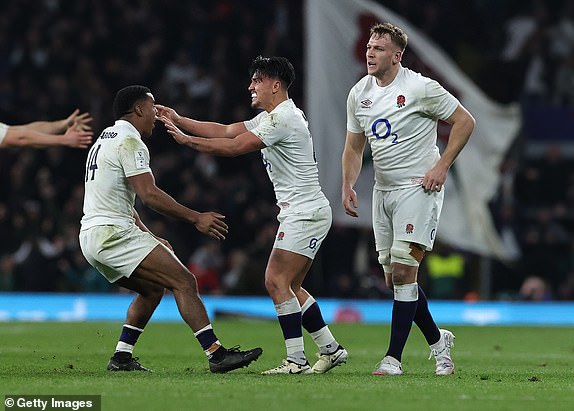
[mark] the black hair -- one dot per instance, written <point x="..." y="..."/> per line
<point x="126" y="98"/>
<point x="275" y="68"/>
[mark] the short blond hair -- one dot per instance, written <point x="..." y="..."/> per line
<point x="397" y="35"/>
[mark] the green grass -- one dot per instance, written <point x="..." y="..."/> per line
<point x="498" y="368"/>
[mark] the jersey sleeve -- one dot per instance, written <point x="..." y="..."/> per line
<point x="352" y="123"/>
<point x="3" y="131"/>
<point x="254" y="122"/>
<point x="134" y="156"/>
<point x="272" y="129"/>
<point x="438" y="102"/>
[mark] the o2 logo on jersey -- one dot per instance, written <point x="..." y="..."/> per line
<point x="382" y="124"/>
<point x="313" y="243"/>
<point x="432" y="233"/>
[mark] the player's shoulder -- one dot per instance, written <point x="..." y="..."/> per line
<point x="362" y="87"/>
<point x="286" y="107"/>
<point x="414" y="81"/>
<point x="115" y="130"/>
<point x="365" y="82"/>
<point x="120" y="133"/>
<point x="414" y="77"/>
<point x="285" y="112"/>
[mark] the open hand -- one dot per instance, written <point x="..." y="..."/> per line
<point x="77" y="139"/>
<point x="167" y="112"/>
<point x="79" y="122"/>
<point x="175" y="132"/>
<point x="212" y="224"/>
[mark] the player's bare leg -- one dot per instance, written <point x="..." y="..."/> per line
<point x="163" y="269"/>
<point x="295" y="307"/>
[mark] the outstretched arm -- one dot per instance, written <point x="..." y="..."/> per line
<point x="77" y="121"/>
<point x="352" y="163"/>
<point x="209" y="223"/>
<point x="205" y="129"/>
<point x="245" y="142"/>
<point x="462" y="125"/>
<point x="24" y="136"/>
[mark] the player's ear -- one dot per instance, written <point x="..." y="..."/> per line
<point x="138" y="110"/>
<point x="276" y="86"/>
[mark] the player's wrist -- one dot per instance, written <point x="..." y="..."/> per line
<point x="193" y="217"/>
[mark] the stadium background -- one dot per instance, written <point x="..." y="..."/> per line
<point x="194" y="55"/>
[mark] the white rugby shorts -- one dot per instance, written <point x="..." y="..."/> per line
<point x="408" y="214"/>
<point x="303" y="233"/>
<point x="116" y="251"/>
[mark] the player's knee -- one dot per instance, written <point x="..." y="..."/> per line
<point x="186" y="282"/>
<point x="406" y="253"/>
<point x="276" y="284"/>
<point x="151" y="293"/>
<point x="156" y="294"/>
<point x="271" y="285"/>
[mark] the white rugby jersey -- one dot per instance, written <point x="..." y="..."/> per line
<point x="3" y="131"/>
<point x="117" y="154"/>
<point x="289" y="157"/>
<point x="400" y="123"/>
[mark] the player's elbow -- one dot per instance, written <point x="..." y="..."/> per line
<point x="15" y="138"/>
<point x="24" y="141"/>
<point x="466" y="122"/>
<point x="234" y="152"/>
<point x="149" y="196"/>
<point x="230" y="150"/>
<point x="470" y="122"/>
<point x="22" y="136"/>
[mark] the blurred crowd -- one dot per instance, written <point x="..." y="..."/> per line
<point x="57" y="55"/>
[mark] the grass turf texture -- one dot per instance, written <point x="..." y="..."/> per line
<point x="498" y="368"/>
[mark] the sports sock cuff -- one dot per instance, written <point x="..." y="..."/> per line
<point x="290" y="306"/>
<point x="308" y="303"/>
<point x="141" y="330"/>
<point x="207" y="327"/>
<point x="124" y="347"/>
<point x="324" y="339"/>
<point x="294" y="345"/>
<point x="406" y="292"/>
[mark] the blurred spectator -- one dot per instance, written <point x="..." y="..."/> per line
<point x="206" y="263"/>
<point x="6" y="273"/>
<point x="563" y="94"/>
<point x="237" y="262"/>
<point x="445" y="270"/>
<point x="535" y="289"/>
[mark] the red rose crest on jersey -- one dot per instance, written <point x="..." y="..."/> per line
<point x="401" y="100"/>
<point x="409" y="228"/>
<point x="280" y="236"/>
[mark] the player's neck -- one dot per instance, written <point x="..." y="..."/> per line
<point x="386" y="78"/>
<point x="277" y="99"/>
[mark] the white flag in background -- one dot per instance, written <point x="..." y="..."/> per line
<point x="337" y="32"/>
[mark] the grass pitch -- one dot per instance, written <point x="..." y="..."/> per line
<point x="498" y="368"/>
